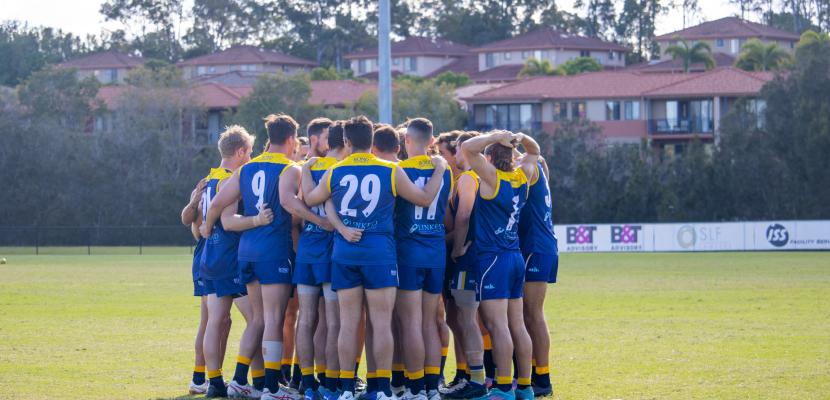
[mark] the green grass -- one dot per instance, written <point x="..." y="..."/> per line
<point x="638" y="326"/>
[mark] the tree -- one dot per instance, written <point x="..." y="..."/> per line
<point x="220" y="23"/>
<point x="24" y="50"/>
<point x="756" y="56"/>
<point x="331" y="74"/>
<point x="700" y="52"/>
<point x="636" y="24"/>
<point x="452" y="79"/>
<point x="600" y="18"/>
<point x="688" y="9"/>
<point x="59" y="93"/>
<point x="418" y="99"/>
<point x="747" y="6"/>
<point x="534" y="67"/>
<point x="578" y="65"/>
<point x="154" y="24"/>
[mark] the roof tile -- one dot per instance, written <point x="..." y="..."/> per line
<point x="247" y="55"/>
<point x="549" y="38"/>
<point x="729" y="27"/>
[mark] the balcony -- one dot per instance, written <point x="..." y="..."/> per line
<point x="669" y="126"/>
<point x="526" y="127"/>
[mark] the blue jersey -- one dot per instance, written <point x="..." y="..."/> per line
<point x="197" y="259"/>
<point x="363" y="191"/>
<point x="219" y="255"/>
<point x="259" y="182"/>
<point x="469" y="259"/>
<point x="419" y="231"/>
<point x="315" y="242"/>
<point x="497" y="217"/>
<point x="536" y="222"/>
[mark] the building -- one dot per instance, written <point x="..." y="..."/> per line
<point x="108" y="67"/>
<point x="248" y="59"/>
<point x="414" y="55"/>
<point x="665" y="109"/>
<point x="727" y="36"/>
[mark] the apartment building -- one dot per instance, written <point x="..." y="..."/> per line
<point x="108" y="67"/>
<point x="414" y="55"/>
<point x="248" y="59"/>
<point x="727" y="36"/>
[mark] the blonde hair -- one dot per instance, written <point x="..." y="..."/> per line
<point x="234" y="138"/>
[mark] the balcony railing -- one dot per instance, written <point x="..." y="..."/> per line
<point x="510" y="126"/>
<point x="680" y="125"/>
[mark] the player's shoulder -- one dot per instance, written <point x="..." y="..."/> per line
<point x="417" y="162"/>
<point x="470" y="174"/>
<point x="323" y="163"/>
<point x="219" y="174"/>
<point x="516" y="177"/>
<point x="271" y="158"/>
<point x="364" y="160"/>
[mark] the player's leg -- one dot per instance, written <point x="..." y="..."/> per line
<point x="432" y="344"/>
<point x="381" y="302"/>
<point x="371" y="367"/>
<point x="399" y="374"/>
<point x="409" y="317"/>
<point x="467" y="307"/>
<point x="351" y="305"/>
<point x="198" y="385"/>
<point x="274" y="302"/>
<point x="489" y="364"/>
<point x="537" y="327"/>
<point x="359" y="384"/>
<point x="218" y="308"/>
<point x="248" y="346"/>
<point x="495" y="316"/>
<point x="289" y="328"/>
<point x="332" y="372"/>
<point x="308" y="297"/>
<point x="453" y="317"/>
<point x="443" y="335"/>
<point x="252" y="336"/>
<point x="320" y="332"/>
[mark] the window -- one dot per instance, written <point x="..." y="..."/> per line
<point x="584" y="53"/>
<point x="560" y="111"/>
<point x="489" y="60"/>
<point x="361" y="66"/>
<point x="512" y="116"/>
<point x="507" y="55"/>
<point x="610" y="55"/>
<point x="632" y="110"/>
<point x="113" y="73"/>
<point x="248" y="67"/>
<point x="201" y="70"/>
<point x="537" y="54"/>
<point x="578" y="110"/>
<point x="719" y="42"/>
<point x="413" y="63"/>
<point x="525" y="54"/>
<point x="396" y="61"/>
<point x="612" y="110"/>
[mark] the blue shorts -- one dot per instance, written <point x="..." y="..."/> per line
<point x="502" y="276"/>
<point x="312" y="274"/>
<point x="430" y="280"/>
<point x="267" y="272"/>
<point x="541" y="267"/>
<point x="225" y="287"/>
<point x="346" y="276"/>
<point x="199" y="288"/>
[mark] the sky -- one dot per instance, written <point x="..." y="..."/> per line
<point x="81" y="17"/>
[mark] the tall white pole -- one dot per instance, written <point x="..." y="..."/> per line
<point x="384" y="71"/>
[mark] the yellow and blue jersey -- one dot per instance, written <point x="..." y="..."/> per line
<point x="419" y="231"/>
<point x="363" y="191"/>
<point x="219" y="254"/>
<point x="314" y="245"/>
<point x="536" y="220"/>
<point x="497" y="216"/>
<point x="259" y="182"/>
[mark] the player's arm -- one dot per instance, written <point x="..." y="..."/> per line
<point x="194" y="230"/>
<point x="531" y="156"/>
<point x="234" y="222"/>
<point x="289" y="188"/>
<point x="350" y="234"/>
<point x="466" y="201"/>
<point x="190" y="211"/>
<point x="473" y="149"/>
<point x="314" y="194"/>
<point x="228" y="194"/>
<point x="544" y="166"/>
<point x="412" y="193"/>
<point x="449" y="225"/>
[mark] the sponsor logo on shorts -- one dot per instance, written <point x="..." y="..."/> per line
<point x="533" y="269"/>
<point x="777" y="235"/>
<point x="489" y="286"/>
<point x="283" y="270"/>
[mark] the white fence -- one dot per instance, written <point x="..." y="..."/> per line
<point x="709" y="236"/>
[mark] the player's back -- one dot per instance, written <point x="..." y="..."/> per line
<point x="259" y="185"/>
<point x="419" y="231"/>
<point x="315" y="242"/>
<point x="363" y="192"/>
<point x="497" y="216"/>
<point x="219" y="255"/>
<point x="536" y="220"/>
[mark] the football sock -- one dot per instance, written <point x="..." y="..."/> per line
<point x="215" y="377"/>
<point x="285" y="368"/>
<point x="199" y="374"/>
<point x="416" y="381"/>
<point x="308" y="377"/>
<point x="444" y="352"/>
<point x="271" y="352"/>
<point x="431" y="378"/>
<point x="461" y="371"/>
<point x="504" y="383"/>
<point x="347" y="380"/>
<point x="542" y="376"/>
<point x="297" y="374"/>
<point x="321" y="374"/>
<point x="398" y="377"/>
<point x="384" y="377"/>
<point x="477" y="374"/>
<point x="371" y="382"/>
<point x="523" y="383"/>
<point x="356" y="366"/>
<point x="240" y="376"/>
<point x="258" y="378"/>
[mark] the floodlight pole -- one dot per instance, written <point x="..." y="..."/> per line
<point x="384" y="72"/>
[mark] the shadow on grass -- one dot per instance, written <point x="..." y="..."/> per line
<point x="185" y="397"/>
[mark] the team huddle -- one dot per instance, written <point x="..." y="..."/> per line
<point x="368" y="234"/>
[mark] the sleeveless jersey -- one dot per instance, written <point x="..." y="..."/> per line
<point x="419" y="231"/>
<point x="315" y="242"/>
<point x="469" y="259"/>
<point x="363" y="191"/>
<point x="219" y="255"/>
<point x="536" y="221"/>
<point x="259" y="181"/>
<point x="497" y="217"/>
<point x="197" y="259"/>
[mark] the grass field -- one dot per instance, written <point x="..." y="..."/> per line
<point x="638" y="326"/>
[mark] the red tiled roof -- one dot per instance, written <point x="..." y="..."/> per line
<point x="549" y="38"/>
<point x="417" y="46"/>
<point x="247" y="55"/>
<point x="721" y="60"/>
<point x="629" y="84"/>
<point x="729" y="27"/>
<point x="502" y="73"/>
<point x="102" y="60"/>
<point x="338" y="93"/>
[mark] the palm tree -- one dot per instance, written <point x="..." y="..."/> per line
<point x="699" y="52"/>
<point x="535" y="67"/>
<point x="756" y="56"/>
